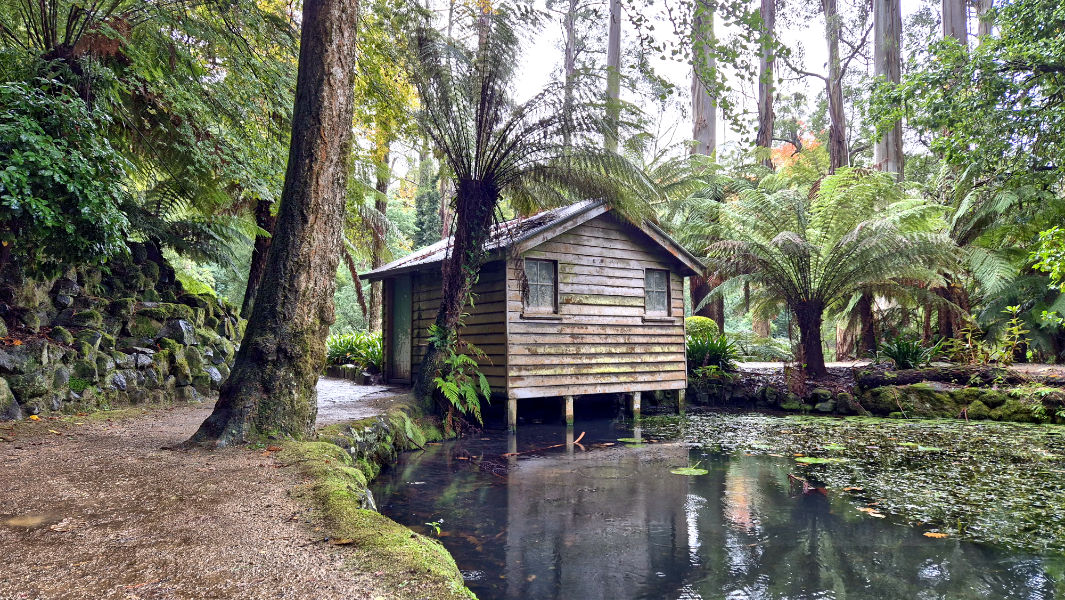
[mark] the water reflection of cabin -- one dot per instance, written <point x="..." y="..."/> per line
<point x="576" y="300"/>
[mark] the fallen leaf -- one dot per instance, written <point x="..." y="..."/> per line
<point x="935" y="534"/>
<point x="273" y="448"/>
<point x="34" y="418"/>
<point x="53" y="431"/>
<point x="853" y="489"/>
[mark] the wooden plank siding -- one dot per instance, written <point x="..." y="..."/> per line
<point x="485" y="326"/>
<point x="602" y="340"/>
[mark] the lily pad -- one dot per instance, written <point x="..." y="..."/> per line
<point x="630" y="440"/>
<point x="818" y="460"/>
<point x="689" y="471"/>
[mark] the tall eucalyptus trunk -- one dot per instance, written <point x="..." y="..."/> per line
<point x="704" y="132"/>
<point x="955" y="21"/>
<point x="379" y="248"/>
<point x="570" y="64"/>
<point x="986" y="20"/>
<point x="265" y="220"/>
<point x="271" y="388"/>
<point x="766" y="117"/>
<point x="887" y="63"/>
<point x="613" y="77"/>
<point x="837" y="128"/>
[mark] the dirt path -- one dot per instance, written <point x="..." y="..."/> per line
<point x="99" y="510"/>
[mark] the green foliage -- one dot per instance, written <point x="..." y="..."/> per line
<point x="427" y="219"/>
<point x="811" y="249"/>
<point x="459" y="380"/>
<point x="1050" y="256"/>
<point x="62" y="182"/>
<point x="1001" y="102"/>
<point x="701" y="327"/>
<point x="361" y="348"/>
<point x="755" y="348"/>
<point x="910" y="354"/>
<point x="711" y="351"/>
<point x="1014" y="338"/>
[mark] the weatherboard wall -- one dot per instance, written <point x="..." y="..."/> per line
<point x="485" y="324"/>
<point x="602" y="339"/>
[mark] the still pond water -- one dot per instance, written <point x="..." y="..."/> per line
<point x="611" y="521"/>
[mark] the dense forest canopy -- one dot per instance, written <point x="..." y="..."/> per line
<point x="894" y="167"/>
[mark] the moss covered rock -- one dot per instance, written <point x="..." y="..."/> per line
<point x="122" y="307"/>
<point x="87" y="318"/>
<point x="978" y="411"/>
<point x="144" y="327"/>
<point x="61" y="335"/>
<point x="9" y="407"/>
<point x="163" y="311"/>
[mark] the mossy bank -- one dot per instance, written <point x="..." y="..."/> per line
<point x="338" y="467"/>
<point x="974" y="394"/>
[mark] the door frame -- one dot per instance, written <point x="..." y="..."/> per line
<point x="388" y="327"/>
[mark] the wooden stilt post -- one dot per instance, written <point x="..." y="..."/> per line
<point x="680" y="401"/>
<point x="569" y="439"/>
<point x="568" y="401"/>
<point x="512" y="414"/>
<point x="635" y="405"/>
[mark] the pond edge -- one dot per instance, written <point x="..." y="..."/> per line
<point x="339" y="466"/>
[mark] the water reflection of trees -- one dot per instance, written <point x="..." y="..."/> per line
<point x="763" y="542"/>
<point x="616" y="524"/>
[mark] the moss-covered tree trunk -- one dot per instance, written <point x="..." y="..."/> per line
<point x="272" y="385"/>
<point x="475" y="202"/>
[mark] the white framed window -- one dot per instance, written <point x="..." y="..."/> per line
<point x="542" y="276"/>
<point x="656" y="291"/>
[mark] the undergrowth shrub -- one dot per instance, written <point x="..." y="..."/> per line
<point x="910" y="354"/>
<point x="361" y="348"/>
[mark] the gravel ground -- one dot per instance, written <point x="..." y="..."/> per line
<point x="97" y="509"/>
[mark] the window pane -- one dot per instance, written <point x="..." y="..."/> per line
<point x="656" y="288"/>
<point x="541" y="277"/>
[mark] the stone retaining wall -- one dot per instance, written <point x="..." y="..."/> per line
<point x="93" y="340"/>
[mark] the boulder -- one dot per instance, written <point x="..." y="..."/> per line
<point x="87" y="318"/>
<point x="9" y="407"/>
<point x="61" y="335"/>
<point x="216" y="377"/>
<point x="181" y="331"/>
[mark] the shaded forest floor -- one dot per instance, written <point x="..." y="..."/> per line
<point x="93" y="507"/>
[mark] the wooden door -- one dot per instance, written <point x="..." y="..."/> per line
<point x="401" y="328"/>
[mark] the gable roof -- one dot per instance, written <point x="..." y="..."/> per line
<point x="524" y="232"/>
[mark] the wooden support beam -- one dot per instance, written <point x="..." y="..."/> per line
<point x="568" y="401"/>
<point x="680" y="401"/>
<point x="569" y="440"/>
<point x="512" y="414"/>
<point x="635" y="405"/>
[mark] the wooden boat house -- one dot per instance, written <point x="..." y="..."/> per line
<point x="571" y="301"/>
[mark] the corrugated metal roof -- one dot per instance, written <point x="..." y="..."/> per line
<point x="502" y="235"/>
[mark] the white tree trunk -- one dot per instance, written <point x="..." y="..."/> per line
<point x="613" y="76"/>
<point x="768" y="11"/>
<point x="887" y="63"/>
<point x="704" y="107"/>
<point x="955" y="22"/>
